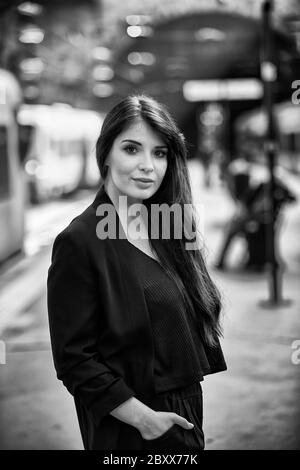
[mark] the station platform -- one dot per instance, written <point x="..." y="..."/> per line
<point x="253" y="405"/>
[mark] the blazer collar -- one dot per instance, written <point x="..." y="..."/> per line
<point x="101" y="197"/>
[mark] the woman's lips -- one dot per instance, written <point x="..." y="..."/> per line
<point x="143" y="182"/>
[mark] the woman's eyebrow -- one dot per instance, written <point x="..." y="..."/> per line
<point x="139" y="143"/>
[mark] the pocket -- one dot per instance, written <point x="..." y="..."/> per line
<point x="163" y="436"/>
<point x="194" y="410"/>
<point x="162" y="442"/>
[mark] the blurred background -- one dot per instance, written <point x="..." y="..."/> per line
<point x="229" y="72"/>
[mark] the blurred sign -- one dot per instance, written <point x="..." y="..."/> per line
<point x="218" y="90"/>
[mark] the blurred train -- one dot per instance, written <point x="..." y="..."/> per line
<point x="60" y="153"/>
<point x="12" y="184"/>
<point x="251" y="128"/>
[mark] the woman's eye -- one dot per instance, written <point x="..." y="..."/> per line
<point x="130" y="149"/>
<point x="161" y="154"/>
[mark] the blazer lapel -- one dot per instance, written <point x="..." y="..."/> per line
<point x="135" y="304"/>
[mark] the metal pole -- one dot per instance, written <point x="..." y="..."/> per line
<point x="269" y="75"/>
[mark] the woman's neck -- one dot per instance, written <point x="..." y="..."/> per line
<point x="128" y="214"/>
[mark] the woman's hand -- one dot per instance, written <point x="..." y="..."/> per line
<point x="157" y="423"/>
<point x="151" y="424"/>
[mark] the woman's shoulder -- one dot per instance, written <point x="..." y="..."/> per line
<point x="81" y="230"/>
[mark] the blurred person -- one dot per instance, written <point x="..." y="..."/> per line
<point x="257" y="209"/>
<point x="134" y="322"/>
<point x="237" y="179"/>
<point x="248" y="184"/>
<point x="256" y="228"/>
<point x="205" y="152"/>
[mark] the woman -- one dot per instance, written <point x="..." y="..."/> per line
<point x="134" y="319"/>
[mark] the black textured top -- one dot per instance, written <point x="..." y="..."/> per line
<point x="179" y="355"/>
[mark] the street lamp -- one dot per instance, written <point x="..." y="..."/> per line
<point x="269" y="76"/>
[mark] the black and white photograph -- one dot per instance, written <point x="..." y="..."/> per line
<point x="149" y="228"/>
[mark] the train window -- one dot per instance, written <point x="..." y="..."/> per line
<point x="4" y="164"/>
<point x="61" y="147"/>
<point x="77" y="148"/>
<point x="69" y="147"/>
<point x="64" y="148"/>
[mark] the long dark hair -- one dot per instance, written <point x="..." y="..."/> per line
<point x="186" y="267"/>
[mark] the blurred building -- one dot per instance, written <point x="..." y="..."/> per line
<point x="92" y="53"/>
<point x="198" y="52"/>
<point x="49" y="47"/>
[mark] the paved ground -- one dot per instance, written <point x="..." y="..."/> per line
<point x="253" y="405"/>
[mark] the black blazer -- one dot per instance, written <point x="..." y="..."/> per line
<point x="99" y="323"/>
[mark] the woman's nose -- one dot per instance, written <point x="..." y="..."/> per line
<point x="146" y="162"/>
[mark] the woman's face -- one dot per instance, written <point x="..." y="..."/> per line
<point x="137" y="153"/>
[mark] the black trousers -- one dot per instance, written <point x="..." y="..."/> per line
<point x="186" y="402"/>
<point x="114" y="434"/>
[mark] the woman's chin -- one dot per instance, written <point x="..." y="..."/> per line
<point x="139" y="194"/>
